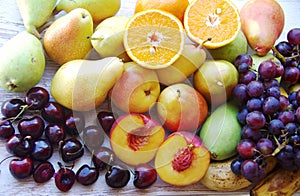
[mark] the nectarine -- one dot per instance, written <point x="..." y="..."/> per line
<point x="135" y="138"/>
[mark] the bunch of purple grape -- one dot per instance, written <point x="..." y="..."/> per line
<point x="270" y="119"/>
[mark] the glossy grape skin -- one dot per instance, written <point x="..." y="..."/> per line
<point x="246" y="148"/>
<point x="255" y="88"/>
<point x="293" y="36"/>
<point x="254" y="104"/>
<point x="247" y="77"/>
<point x="271" y="105"/>
<point x="252" y="134"/>
<point x="276" y="126"/>
<point x="240" y="93"/>
<point x="286" y="116"/>
<point x="284" y="48"/>
<point x="242" y="68"/>
<point x="12" y="108"/>
<point x="241" y="115"/>
<point x="243" y="58"/>
<point x="273" y="91"/>
<point x="255" y="120"/>
<point x="251" y="171"/>
<point x="265" y="146"/>
<point x="267" y="70"/>
<point x="235" y="166"/>
<point x="37" y="98"/>
<point x="291" y="75"/>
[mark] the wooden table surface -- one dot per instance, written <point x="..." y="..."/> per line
<point x="10" y="25"/>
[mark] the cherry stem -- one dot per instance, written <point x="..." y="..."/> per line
<point x="201" y="45"/>
<point x="12" y="119"/>
<point x="6" y="158"/>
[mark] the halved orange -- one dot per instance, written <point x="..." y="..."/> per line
<point x="215" y="20"/>
<point x="154" y="38"/>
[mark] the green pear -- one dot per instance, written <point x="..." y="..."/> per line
<point x="230" y="51"/>
<point x="68" y="37"/>
<point x="107" y="39"/>
<point x="99" y="9"/>
<point x="35" y="13"/>
<point x="191" y="59"/>
<point x="82" y="85"/>
<point x="22" y="62"/>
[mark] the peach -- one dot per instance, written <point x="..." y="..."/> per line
<point x="182" y="159"/>
<point x="135" y="138"/>
<point x="262" y="23"/>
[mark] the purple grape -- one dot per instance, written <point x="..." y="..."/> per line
<point x="286" y="116"/>
<point x="242" y="68"/>
<point x="252" y="134"/>
<point x="265" y="146"/>
<point x="254" y="104"/>
<point x="243" y="58"/>
<point x="293" y="36"/>
<point x="267" y="70"/>
<point x="255" y="88"/>
<point x="271" y="83"/>
<point x="251" y="171"/>
<point x="295" y="140"/>
<point x="284" y="48"/>
<point x="246" y="148"/>
<point x="255" y="120"/>
<point x="240" y="93"/>
<point x="284" y="102"/>
<point x="241" y="115"/>
<point x="276" y="126"/>
<point x="235" y="166"/>
<point x="291" y="128"/>
<point x="246" y="77"/>
<point x="273" y="91"/>
<point x="279" y="69"/>
<point x="271" y="105"/>
<point x="290" y="75"/>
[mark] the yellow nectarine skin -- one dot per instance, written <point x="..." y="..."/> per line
<point x="194" y="161"/>
<point x="135" y="138"/>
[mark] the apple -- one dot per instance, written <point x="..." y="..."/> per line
<point x="137" y="89"/>
<point x="135" y="138"/>
<point x="181" y="108"/>
<point x="191" y="59"/>
<point x="182" y="159"/>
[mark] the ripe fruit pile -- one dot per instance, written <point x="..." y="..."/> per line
<point x="270" y="118"/>
<point x="35" y="128"/>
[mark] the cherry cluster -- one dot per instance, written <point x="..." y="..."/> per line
<point x="35" y="127"/>
<point x="269" y="118"/>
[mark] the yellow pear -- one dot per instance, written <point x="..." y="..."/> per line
<point x="68" y="37"/>
<point x="35" y="16"/>
<point x="99" y="9"/>
<point x="107" y="39"/>
<point x="82" y="85"/>
<point x="191" y="59"/>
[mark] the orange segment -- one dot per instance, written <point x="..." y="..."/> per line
<point x="154" y="39"/>
<point x="217" y="20"/>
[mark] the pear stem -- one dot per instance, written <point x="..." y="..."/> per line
<point x="201" y="45"/>
<point x="95" y="38"/>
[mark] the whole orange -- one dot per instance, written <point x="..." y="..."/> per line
<point x="175" y="7"/>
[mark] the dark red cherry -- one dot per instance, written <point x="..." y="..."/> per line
<point x="19" y="146"/>
<point x="102" y="157"/>
<point x="64" y="179"/>
<point x="93" y="137"/>
<point x="106" y="120"/>
<point x="55" y="133"/>
<point x="74" y="123"/>
<point x="53" y="112"/>
<point x="71" y="149"/>
<point x="21" y="168"/>
<point x="87" y="175"/>
<point x="43" y="172"/>
<point x="6" y="129"/>
<point x="144" y="176"/>
<point x="33" y="126"/>
<point x="117" y="176"/>
<point x="36" y="98"/>
<point x="42" y="150"/>
<point x="12" y="108"/>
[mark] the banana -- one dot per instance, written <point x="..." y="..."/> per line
<point x="279" y="182"/>
<point x="219" y="176"/>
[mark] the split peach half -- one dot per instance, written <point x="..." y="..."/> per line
<point x="135" y="138"/>
<point x="182" y="159"/>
